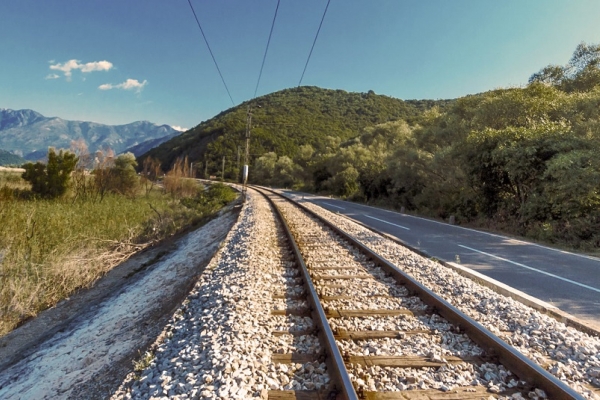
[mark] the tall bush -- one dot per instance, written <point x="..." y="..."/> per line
<point x="51" y="180"/>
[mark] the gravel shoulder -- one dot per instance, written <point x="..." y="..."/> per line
<point x="85" y="345"/>
<point x="219" y="343"/>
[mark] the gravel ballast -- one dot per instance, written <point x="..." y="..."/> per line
<point x="219" y="344"/>
<point x="569" y="354"/>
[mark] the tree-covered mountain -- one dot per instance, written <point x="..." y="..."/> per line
<point x="29" y="134"/>
<point x="520" y="160"/>
<point x="8" y="158"/>
<point x="285" y="120"/>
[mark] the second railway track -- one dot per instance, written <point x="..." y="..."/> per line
<point x="385" y="336"/>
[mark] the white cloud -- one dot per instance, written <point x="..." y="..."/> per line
<point x="133" y="84"/>
<point x="66" y="67"/>
<point x="52" y="76"/>
<point x="71" y="65"/>
<point x="129" y="84"/>
<point x="178" y="128"/>
<point x="96" y="66"/>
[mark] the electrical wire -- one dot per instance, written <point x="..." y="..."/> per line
<point x="211" y="53"/>
<point x="267" y="49"/>
<point x="315" y="41"/>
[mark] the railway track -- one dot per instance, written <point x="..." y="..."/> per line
<point x="381" y="334"/>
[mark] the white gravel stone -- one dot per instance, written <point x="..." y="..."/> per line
<point x="219" y="344"/>
<point x="572" y="356"/>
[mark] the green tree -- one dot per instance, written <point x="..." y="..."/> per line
<point x="304" y="159"/>
<point x="123" y="176"/>
<point x="286" y="173"/>
<point x="550" y="75"/>
<point x="51" y="180"/>
<point x="264" y="169"/>
<point x="581" y="74"/>
<point x="345" y="182"/>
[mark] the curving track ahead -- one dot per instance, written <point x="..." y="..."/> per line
<point x="366" y="287"/>
<point x="566" y="282"/>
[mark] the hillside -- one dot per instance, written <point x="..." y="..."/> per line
<point x="519" y="160"/>
<point x="29" y="134"/>
<point x="149" y="144"/>
<point x="283" y="121"/>
<point x="8" y="158"/>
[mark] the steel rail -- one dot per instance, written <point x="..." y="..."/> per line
<point x="335" y="361"/>
<point x="516" y="362"/>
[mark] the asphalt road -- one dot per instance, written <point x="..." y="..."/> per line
<point x="566" y="280"/>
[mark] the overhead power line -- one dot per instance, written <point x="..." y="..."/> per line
<point x="211" y="53"/>
<point x="315" y="41"/>
<point x="267" y="48"/>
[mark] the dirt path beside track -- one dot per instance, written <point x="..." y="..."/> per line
<point x="84" y="347"/>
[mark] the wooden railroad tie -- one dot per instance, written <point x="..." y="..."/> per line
<point x="337" y="313"/>
<point x="342" y="277"/>
<point x="280" y="295"/>
<point x="462" y="393"/>
<point x="298" y="395"/>
<point x="329" y="313"/>
<point x="409" y="361"/>
<point x="381" y="361"/>
<point x="342" y="334"/>
<point x="292" y="358"/>
<point x="300" y="312"/>
<point x="346" y="297"/>
<point x="468" y="393"/>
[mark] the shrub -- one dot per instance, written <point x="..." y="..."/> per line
<point x="51" y="180"/>
<point x="123" y="175"/>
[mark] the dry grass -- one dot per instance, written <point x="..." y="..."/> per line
<point x="51" y="248"/>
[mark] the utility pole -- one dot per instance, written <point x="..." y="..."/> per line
<point x="223" y="170"/>
<point x="247" y="153"/>
<point x="205" y="168"/>
<point x="191" y="170"/>
<point x="238" y="159"/>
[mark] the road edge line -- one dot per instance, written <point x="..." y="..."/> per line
<point x="499" y="287"/>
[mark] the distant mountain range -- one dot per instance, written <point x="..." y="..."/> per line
<point x="28" y="134"/>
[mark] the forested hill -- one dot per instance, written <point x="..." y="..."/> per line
<point x="8" y="158"/>
<point x="520" y="160"/>
<point x="283" y="121"/>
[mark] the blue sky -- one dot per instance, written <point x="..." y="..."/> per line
<point x="119" y="61"/>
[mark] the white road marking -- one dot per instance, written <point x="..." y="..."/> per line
<point x="532" y="269"/>
<point x="332" y="205"/>
<point x="399" y="226"/>
<point x="592" y="258"/>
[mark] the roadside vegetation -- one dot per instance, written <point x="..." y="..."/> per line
<point x="520" y="160"/>
<point x="64" y="225"/>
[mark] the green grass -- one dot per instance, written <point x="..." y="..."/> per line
<point x="51" y="248"/>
